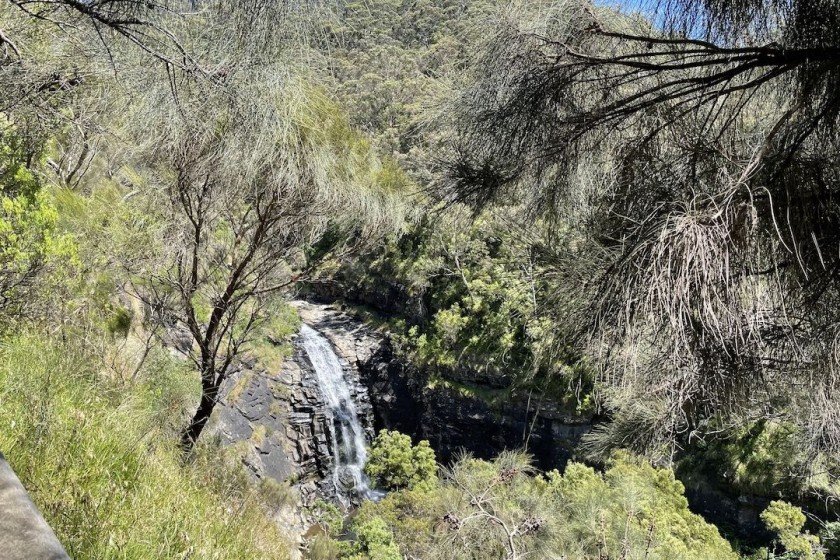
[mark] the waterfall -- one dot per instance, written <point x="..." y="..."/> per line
<point x="347" y="436"/>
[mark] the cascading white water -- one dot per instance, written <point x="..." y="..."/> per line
<point x="348" y="435"/>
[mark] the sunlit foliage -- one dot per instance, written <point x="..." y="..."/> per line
<point x="503" y="509"/>
<point x="395" y="464"/>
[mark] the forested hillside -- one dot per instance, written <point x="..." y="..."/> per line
<point x="554" y="217"/>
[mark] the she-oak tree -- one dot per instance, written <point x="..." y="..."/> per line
<point x="260" y="194"/>
<point x="695" y="159"/>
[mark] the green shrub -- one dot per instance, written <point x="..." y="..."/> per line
<point x="323" y="541"/>
<point x="328" y="516"/>
<point x="783" y="518"/>
<point x="395" y="464"/>
<point x="647" y="507"/>
<point x="29" y="240"/>
<point x="277" y="495"/>
<point x="374" y="541"/>
<point x="119" y="323"/>
<point x="787" y="521"/>
<point x="322" y="547"/>
<point x="830" y="539"/>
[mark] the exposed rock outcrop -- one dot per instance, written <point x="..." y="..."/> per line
<point x="735" y="514"/>
<point x="450" y="414"/>
<point x="279" y="420"/>
<point x="404" y="398"/>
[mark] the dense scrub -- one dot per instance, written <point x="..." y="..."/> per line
<point x="98" y="455"/>
<point x="630" y="214"/>
<point x="702" y="188"/>
<point x="504" y="509"/>
<point x="465" y="298"/>
<point x="395" y="464"/>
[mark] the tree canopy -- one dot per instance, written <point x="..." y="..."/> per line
<point x="692" y="158"/>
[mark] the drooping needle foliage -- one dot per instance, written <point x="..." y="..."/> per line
<point x="696" y="155"/>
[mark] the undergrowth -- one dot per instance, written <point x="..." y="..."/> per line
<point x="99" y="458"/>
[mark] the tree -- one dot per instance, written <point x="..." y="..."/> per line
<point x="374" y="541"/>
<point x="261" y="189"/>
<point x="692" y="153"/>
<point x="395" y="464"/>
<point x="142" y="24"/>
<point x="52" y="49"/>
<point x="52" y="52"/>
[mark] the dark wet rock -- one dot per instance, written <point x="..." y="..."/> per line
<point x="403" y="398"/>
<point x="280" y="418"/>
<point x="734" y="514"/>
<point x="280" y="422"/>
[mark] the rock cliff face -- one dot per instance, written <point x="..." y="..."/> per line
<point x="454" y="417"/>
<point x="736" y="514"/>
<point x="450" y="414"/>
<point x="278" y="419"/>
<point x="404" y="398"/>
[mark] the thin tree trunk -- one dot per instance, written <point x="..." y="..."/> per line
<point x="209" y="394"/>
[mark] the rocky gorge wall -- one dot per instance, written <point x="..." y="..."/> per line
<point x="456" y="416"/>
<point x="278" y="420"/>
<point x="279" y="423"/>
<point x="450" y="408"/>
